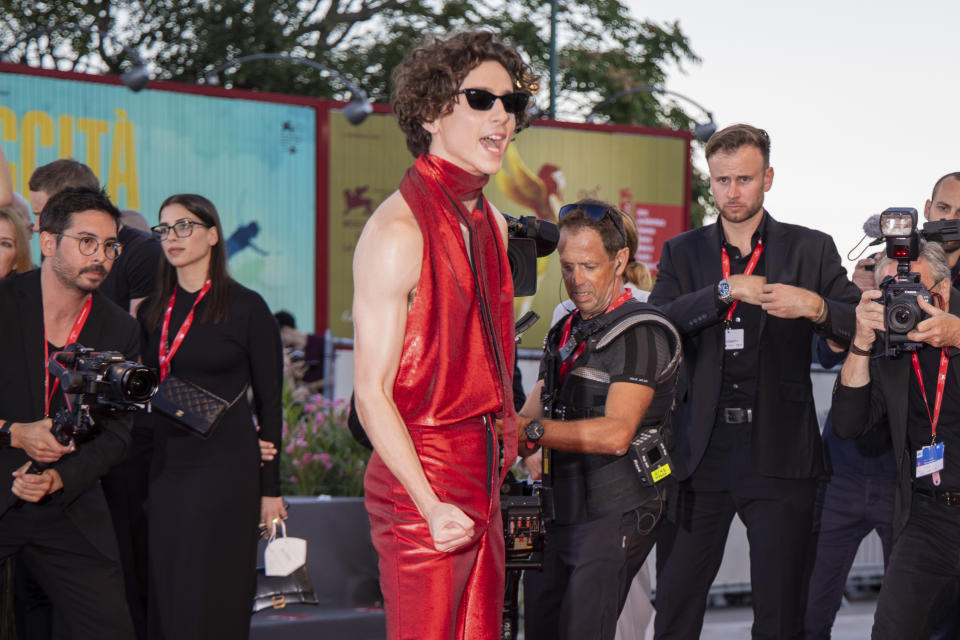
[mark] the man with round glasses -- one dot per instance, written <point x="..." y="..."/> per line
<point x="63" y="531"/>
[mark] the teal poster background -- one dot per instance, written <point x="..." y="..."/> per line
<point x="255" y="160"/>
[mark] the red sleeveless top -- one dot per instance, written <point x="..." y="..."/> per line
<point x="451" y="367"/>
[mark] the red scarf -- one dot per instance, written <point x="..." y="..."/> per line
<point x="451" y="367"/>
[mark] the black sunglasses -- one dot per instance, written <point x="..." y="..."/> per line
<point x="597" y="212"/>
<point x="482" y="100"/>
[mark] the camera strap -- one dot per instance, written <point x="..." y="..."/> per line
<point x="751" y="265"/>
<point x="941" y="383"/>
<point x="81" y="320"/>
<point x="167" y="355"/>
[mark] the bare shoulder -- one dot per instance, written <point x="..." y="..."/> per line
<point x="501" y="221"/>
<point x="390" y="248"/>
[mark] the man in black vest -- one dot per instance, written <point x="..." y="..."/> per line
<point x="63" y="530"/>
<point x="747" y="293"/>
<point x="608" y="372"/>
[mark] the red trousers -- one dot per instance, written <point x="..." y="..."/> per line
<point x="427" y="594"/>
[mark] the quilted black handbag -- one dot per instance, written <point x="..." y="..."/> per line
<point x="191" y="406"/>
<point x="279" y="591"/>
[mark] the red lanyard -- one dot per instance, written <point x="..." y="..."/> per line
<point x="725" y="264"/>
<point x="165" y="355"/>
<point x="941" y="382"/>
<point x="567" y="364"/>
<point x="74" y="334"/>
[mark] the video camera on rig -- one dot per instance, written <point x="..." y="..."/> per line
<point x="96" y="381"/>
<point x="529" y="238"/>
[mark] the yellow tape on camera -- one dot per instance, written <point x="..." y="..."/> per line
<point x="660" y="473"/>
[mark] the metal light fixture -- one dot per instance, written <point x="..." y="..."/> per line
<point x="701" y="132"/>
<point x="135" y="78"/>
<point x="355" y="112"/>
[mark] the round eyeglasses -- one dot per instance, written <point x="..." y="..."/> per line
<point x="182" y="228"/>
<point x="89" y="245"/>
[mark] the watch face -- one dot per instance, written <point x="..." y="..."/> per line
<point x="534" y="430"/>
<point x="723" y="289"/>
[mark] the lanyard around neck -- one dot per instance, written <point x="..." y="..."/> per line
<point x="567" y="363"/>
<point x="941" y="383"/>
<point x="751" y="265"/>
<point x="167" y="355"/>
<point x="48" y="391"/>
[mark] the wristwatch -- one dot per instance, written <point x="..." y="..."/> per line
<point x="533" y="431"/>
<point x="5" y="433"/>
<point x="723" y="292"/>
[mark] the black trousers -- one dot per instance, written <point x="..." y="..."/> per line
<point x="778" y="515"/>
<point x="848" y="508"/>
<point x="125" y="487"/>
<point x="588" y="568"/>
<point x="85" y="586"/>
<point x="922" y="581"/>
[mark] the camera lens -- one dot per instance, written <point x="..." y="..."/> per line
<point x="131" y="382"/>
<point x="901" y="318"/>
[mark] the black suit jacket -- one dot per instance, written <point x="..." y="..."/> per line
<point x="786" y="436"/>
<point x="108" y="328"/>
<point x="857" y="409"/>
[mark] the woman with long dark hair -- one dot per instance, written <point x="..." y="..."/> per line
<point x="207" y="495"/>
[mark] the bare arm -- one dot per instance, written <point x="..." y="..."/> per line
<point x="856" y="368"/>
<point x="611" y="434"/>
<point x="386" y="269"/>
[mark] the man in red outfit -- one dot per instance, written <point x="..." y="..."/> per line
<point x="433" y="331"/>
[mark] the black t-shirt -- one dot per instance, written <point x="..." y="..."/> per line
<point x="948" y="426"/>
<point x="133" y="273"/>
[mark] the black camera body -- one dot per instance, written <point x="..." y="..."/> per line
<point x="529" y="238"/>
<point x="98" y="381"/>
<point x="650" y="457"/>
<point x="901" y="312"/>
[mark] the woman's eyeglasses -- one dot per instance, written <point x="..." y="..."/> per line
<point x="597" y="212"/>
<point x="182" y="228"/>
<point x="482" y="100"/>
<point x="89" y="245"/>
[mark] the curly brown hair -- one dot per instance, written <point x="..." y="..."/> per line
<point x="425" y="84"/>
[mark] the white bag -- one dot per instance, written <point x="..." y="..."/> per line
<point x="283" y="554"/>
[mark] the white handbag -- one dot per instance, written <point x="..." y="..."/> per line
<point x="284" y="554"/>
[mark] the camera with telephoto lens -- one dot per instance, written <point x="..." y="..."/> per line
<point x="529" y="238"/>
<point x="901" y="311"/>
<point x="96" y="381"/>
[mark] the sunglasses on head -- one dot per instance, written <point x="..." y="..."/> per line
<point x="597" y="212"/>
<point x="482" y="100"/>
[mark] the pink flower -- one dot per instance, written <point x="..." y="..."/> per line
<point x="294" y="480"/>
<point x="326" y="460"/>
<point x="289" y="448"/>
<point x="305" y="460"/>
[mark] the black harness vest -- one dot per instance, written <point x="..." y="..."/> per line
<point x="588" y="486"/>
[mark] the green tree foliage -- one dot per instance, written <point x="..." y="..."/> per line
<point x="603" y="49"/>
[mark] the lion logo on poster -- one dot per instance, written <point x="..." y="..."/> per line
<point x="356" y="199"/>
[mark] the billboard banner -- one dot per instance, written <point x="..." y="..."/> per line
<point x="644" y="172"/>
<point x="255" y="160"/>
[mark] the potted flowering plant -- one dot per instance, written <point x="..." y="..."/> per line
<point x="319" y="454"/>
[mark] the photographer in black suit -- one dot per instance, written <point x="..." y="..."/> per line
<point x="63" y="531"/>
<point x="747" y="294"/>
<point x="920" y="394"/>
